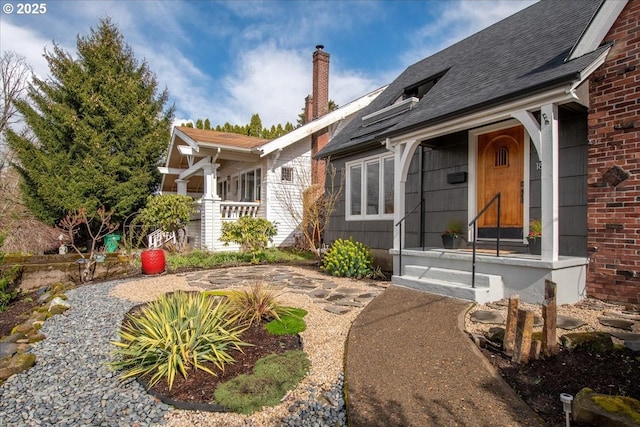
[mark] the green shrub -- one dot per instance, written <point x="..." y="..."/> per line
<point x="272" y="377"/>
<point x="252" y="234"/>
<point x="348" y="258"/>
<point x="175" y="333"/>
<point x="253" y="305"/>
<point x="288" y="324"/>
<point x="204" y="259"/>
<point x="8" y="280"/>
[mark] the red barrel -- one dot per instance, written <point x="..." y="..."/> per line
<point x="153" y="261"/>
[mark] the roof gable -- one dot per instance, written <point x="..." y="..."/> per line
<point x="222" y="139"/>
<point x="519" y="55"/>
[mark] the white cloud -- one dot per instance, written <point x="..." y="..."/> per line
<point x="457" y="20"/>
<point x="27" y="43"/>
<point x="270" y="81"/>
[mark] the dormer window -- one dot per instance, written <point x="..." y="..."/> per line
<point x="420" y="89"/>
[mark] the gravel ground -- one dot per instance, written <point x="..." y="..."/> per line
<point x="71" y="386"/>
<point x="588" y="310"/>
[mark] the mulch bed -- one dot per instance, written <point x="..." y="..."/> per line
<point x="540" y="382"/>
<point x="199" y="386"/>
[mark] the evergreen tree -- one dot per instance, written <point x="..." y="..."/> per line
<point x="207" y="124"/>
<point x="199" y="124"/>
<point x="255" y="126"/>
<point x="100" y="128"/>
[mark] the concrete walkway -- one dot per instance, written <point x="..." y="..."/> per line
<point x="409" y="363"/>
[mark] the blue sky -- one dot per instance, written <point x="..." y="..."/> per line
<point x="227" y="60"/>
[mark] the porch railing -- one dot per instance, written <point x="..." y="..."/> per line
<point x="474" y="223"/>
<point x="235" y="210"/>
<point x="399" y="224"/>
<point x="158" y="238"/>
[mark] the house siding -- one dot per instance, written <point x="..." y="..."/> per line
<point x="377" y="234"/>
<point x="572" y="183"/>
<point x="614" y="136"/>
<point x="444" y="202"/>
<point x="283" y="200"/>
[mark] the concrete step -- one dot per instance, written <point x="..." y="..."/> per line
<point x="452" y="283"/>
<point x="451" y="275"/>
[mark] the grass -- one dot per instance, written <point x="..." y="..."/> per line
<point x="203" y="259"/>
<point x="272" y="377"/>
<point x="289" y="324"/>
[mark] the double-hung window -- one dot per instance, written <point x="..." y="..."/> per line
<point x="370" y="188"/>
<point x="250" y="186"/>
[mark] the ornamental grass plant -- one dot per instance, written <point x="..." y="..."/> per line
<point x="178" y="332"/>
<point x="253" y="305"/>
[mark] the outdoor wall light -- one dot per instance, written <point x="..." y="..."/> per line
<point x="566" y="400"/>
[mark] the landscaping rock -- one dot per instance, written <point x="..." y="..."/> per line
<point x="616" y="323"/>
<point x="568" y="323"/>
<point x="58" y="306"/>
<point x="633" y="344"/>
<point x="22" y="329"/>
<point x="597" y="341"/>
<point x="8" y="349"/>
<point x="13" y="338"/>
<point x="18" y="363"/>
<point x="590" y="408"/>
<point x="487" y="316"/>
<point x="625" y="335"/>
<point x="496" y="334"/>
<point x="336" y="310"/>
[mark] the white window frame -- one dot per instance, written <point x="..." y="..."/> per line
<point x="283" y="177"/>
<point x="363" y="216"/>
<point x="257" y="184"/>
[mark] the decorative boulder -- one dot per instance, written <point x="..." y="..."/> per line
<point x="597" y="341"/>
<point x="18" y="363"/>
<point x="595" y="409"/>
<point x="58" y="306"/>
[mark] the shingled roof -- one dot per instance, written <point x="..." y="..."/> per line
<point x="516" y="57"/>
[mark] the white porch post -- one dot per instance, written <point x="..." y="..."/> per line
<point x="549" y="181"/>
<point x="211" y="220"/>
<point x="401" y="160"/>
<point x="182" y="186"/>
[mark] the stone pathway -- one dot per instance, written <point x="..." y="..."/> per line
<point x="333" y="294"/>
<point x="626" y="321"/>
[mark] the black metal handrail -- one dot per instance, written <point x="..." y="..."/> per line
<point x="474" y="223"/>
<point x="399" y="223"/>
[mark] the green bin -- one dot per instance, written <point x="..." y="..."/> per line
<point x="111" y="242"/>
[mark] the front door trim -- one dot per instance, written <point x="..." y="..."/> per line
<point x="473" y="173"/>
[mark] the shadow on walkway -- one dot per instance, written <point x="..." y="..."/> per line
<point x="409" y="363"/>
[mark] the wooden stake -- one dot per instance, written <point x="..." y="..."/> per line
<point x="536" y="345"/>
<point x="509" y="339"/>
<point x="524" y="330"/>
<point x="550" y="317"/>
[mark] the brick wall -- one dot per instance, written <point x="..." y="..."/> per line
<point x="614" y="166"/>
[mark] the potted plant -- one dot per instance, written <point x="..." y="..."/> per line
<point x="169" y="213"/>
<point x="452" y="236"/>
<point x="535" y="236"/>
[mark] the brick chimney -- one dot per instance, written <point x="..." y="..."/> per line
<point x="320" y="91"/>
<point x="319" y="104"/>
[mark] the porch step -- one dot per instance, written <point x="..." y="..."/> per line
<point x="452" y="283"/>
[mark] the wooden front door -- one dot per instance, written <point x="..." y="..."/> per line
<point x="500" y="169"/>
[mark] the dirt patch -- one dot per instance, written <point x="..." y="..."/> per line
<point x="541" y="382"/>
<point x="17" y="312"/>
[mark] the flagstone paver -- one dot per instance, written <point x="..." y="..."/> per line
<point x="337" y="299"/>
